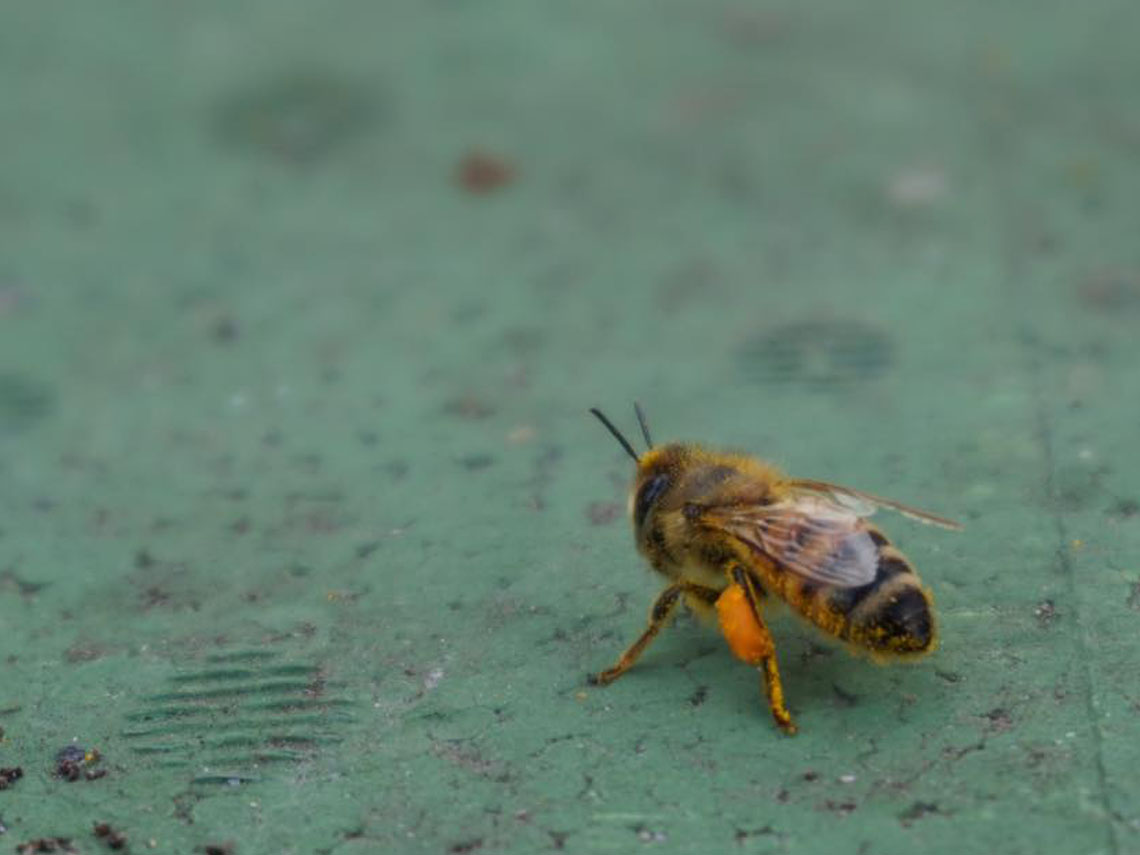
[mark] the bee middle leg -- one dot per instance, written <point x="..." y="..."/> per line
<point x="662" y="608"/>
<point x="766" y="659"/>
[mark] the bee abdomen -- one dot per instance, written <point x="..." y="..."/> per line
<point x="890" y="615"/>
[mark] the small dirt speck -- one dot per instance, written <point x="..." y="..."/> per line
<point x="111" y="837"/>
<point x="475" y="462"/>
<point x="917" y="811"/>
<point x="470" y="407"/>
<point x="699" y="696"/>
<point x="602" y="513"/>
<point x="481" y="172"/>
<point x="466" y="846"/>
<point x="999" y="720"/>
<point x="9" y="775"/>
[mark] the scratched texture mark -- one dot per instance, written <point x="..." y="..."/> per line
<point x="240" y="716"/>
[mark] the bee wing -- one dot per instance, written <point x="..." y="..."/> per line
<point x="865" y="504"/>
<point x="810" y="536"/>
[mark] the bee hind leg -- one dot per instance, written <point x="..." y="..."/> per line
<point x="663" y="607"/>
<point x="763" y="654"/>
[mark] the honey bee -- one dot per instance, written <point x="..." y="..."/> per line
<point x="728" y="531"/>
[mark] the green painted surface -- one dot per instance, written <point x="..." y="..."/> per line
<point x="303" y="523"/>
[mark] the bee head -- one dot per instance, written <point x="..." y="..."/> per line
<point x="656" y="469"/>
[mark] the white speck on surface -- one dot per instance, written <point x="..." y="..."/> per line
<point x="432" y="679"/>
<point x="847" y="779"/>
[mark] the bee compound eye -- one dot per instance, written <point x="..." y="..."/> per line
<point x="647" y="495"/>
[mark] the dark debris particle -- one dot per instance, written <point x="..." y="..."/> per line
<point x="602" y="513"/>
<point x="999" y="720"/>
<point x="811" y="776"/>
<point x="463" y="846"/>
<point x="948" y="676"/>
<point x="699" y="696"/>
<point x="844" y="808"/>
<point x="73" y="762"/>
<point x="10" y="775"/>
<point x="476" y="462"/>
<point x="481" y="172"/>
<point x="111" y="837"/>
<point x="743" y="834"/>
<point x="218" y="849"/>
<point x="46" y="844"/>
<point x="917" y="811"/>
<point x="558" y="839"/>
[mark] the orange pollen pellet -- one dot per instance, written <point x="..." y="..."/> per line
<point x="744" y="635"/>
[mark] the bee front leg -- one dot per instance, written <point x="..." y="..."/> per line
<point x="753" y="643"/>
<point x="662" y="608"/>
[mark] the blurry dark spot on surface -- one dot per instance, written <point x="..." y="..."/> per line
<point x="844" y="808"/>
<point x="1046" y="613"/>
<point x="218" y="849"/>
<point x="10" y="775"/>
<point x="602" y="513"/>
<point x="843" y="697"/>
<point x="741" y="835"/>
<point x="84" y="651"/>
<point x="241" y="525"/>
<point x="10" y="581"/>
<point x="818" y="354"/>
<point x="397" y="470"/>
<point x="1110" y="291"/>
<point x="143" y="559"/>
<point x="466" y="846"/>
<point x="811" y="776"/>
<point x="999" y="720"/>
<point x="368" y="438"/>
<point x="475" y="462"/>
<point x="948" y="676"/>
<point x="699" y="696"/>
<point x="23" y="403"/>
<point x="1134" y="597"/>
<point x="110" y="837"/>
<point x="481" y="172"/>
<point x="298" y="118"/>
<point x="1124" y="509"/>
<point x="917" y="811"/>
<point x="366" y="549"/>
<point x="469" y="406"/>
<point x="46" y="844"/>
<point x="224" y="330"/>
<point x="272" y="438"/>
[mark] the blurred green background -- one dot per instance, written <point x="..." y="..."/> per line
<point x="304" y="526"/>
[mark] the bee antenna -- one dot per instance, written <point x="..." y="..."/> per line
<point x="644" y="426"/>
<point x="617" y="433"/>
